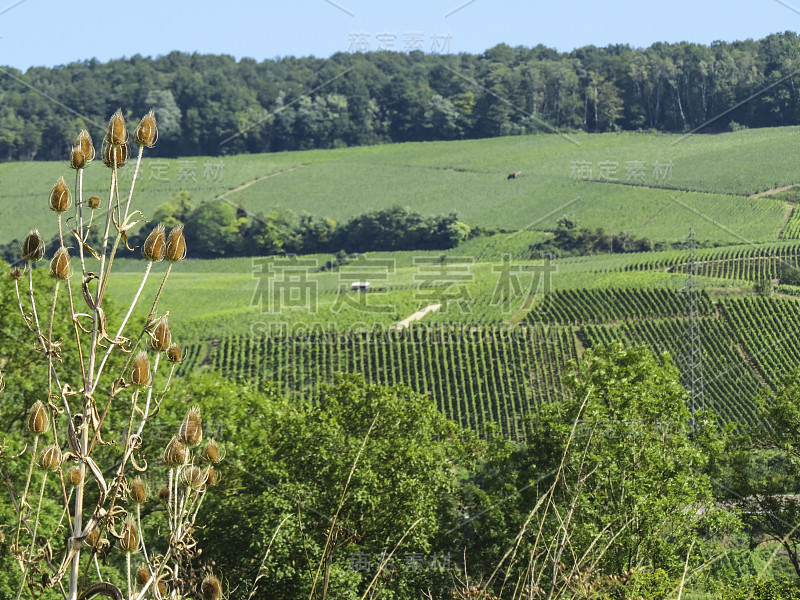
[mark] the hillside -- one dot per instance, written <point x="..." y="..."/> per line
<point x="509" y="321"/>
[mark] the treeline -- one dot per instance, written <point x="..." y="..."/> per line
<point x="216" y="229"/>
<point x="570" y="240"/>
<point x="209" y="104"/>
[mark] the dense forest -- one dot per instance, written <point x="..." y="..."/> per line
<point x="210" y="105"/>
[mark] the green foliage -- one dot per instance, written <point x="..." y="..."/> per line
<point x="568" y="240"/>
<point x="617" y="467"/>
<point x="770" y="589"/>
<point x="214" y="229"/>
<point x="291" y="460"/>
<point x="764" y="470"/>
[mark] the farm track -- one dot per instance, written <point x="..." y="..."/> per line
<point x="247" y="184"/>
<point x="776" y="190"/>
<point x="786" y="217"/>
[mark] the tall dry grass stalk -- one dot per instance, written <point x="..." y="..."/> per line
<point x="102" y="513"/>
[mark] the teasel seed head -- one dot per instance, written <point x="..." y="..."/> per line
<point x="193" y="477"/>
<point x="147" y="131"/>
<point x="161" y="337"/>
<point x="212" y="476"/>
<point x="163" y="494"/>
<point x="174" y="353"/>
<point x="93" y="537"/>
<point x="142" y="574"/>
<point x="38" y="421"/>
<point x="175" y="453"/>
<point x="155" y="246"/>
<point x="138" y="491"/>
<point x="15" y="274"/>
<point x="176" y="244"/>
<point x="60" y="196"/>
<point x="129" y="536"/>
<point x="33" y="246"/>
<point x="50" y="458"/>
<point x="191" y="430"/>
<point x="85" y="145"/>
<point x="211" y="589"/>
<point x="60" y="265"/>
<point x="112" y="153"/>
<point x="77" y="159"/>
<point x="93" y="202"/>
<point x="140" y="374"/>
<point x="74" y="476"/>
<point x="117" y="134"/>
<point x="211" y="451"/>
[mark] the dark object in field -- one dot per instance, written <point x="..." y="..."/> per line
<point x="514" y="175"/>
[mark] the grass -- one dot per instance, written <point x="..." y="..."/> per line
<point x="468" y="177"/>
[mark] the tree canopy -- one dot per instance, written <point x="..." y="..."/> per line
<point x="214" y="104"/>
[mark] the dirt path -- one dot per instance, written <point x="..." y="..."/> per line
<point x="750" y="362"/>
<point x="239" y="188"/>
<point x="787" y="215"/>
<point x="772" y="191"/>
<point x="416" y="316"/>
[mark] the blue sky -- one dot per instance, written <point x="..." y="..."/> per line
<point x="52" y="32"/>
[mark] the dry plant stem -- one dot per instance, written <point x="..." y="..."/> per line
<point x="133" y="182"/>
<point x="170" y="511"/>
<point x="200" y="497"/>
<point x="71" y="306"/>
<point x="339" y="508"/>
<point x="79" y="219"/>
<point x="23" y="501"/>
<point x="38" y="332"/>
<point x="146" y="413"/>
<point x="180" y="527"/>
<point x="139" y="339"/>
<point x="91" y="384"/>
<point x="122" y="219"/>
<point x="127" y="316"/>
<point x="109" y="214"/>
<point x="391" y="554"/>
<point x="104" y="275"/>
<point x="65" y="512"/>
<point x="35" y="530"/>
<point x="128" y="572"/>
<point x="21" y="310"/>
<point x="141" y="535"/>
<point x="548" y="497"/>
<point x="264" y="560"/>
<point x="33" y="307"/>
<point x="50" y="341"/>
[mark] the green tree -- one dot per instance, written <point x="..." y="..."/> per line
<point x="213" y="229"/>
<point x="293" y="461"/>
<point x="612" y="482"/>
<point x="765" y="470"/>
<point x="176" y="211"/>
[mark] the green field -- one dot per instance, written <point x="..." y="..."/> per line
<point x="510" y="321"/>
<point x="702" y="182"/>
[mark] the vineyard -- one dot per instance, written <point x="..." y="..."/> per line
<point x="485" y="373"/>
<point x="581" y="306"/>
<point x="752" y="262"/>
<point x="476" y="375"/>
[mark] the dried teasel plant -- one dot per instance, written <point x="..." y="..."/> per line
<point x="101" y="492"/>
